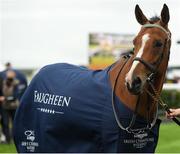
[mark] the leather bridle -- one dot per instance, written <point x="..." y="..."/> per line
<point x="153" y="68"/>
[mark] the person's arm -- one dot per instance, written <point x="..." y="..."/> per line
<point x="174" y="113"/>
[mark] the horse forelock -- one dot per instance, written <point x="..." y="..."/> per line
<point x="154" y="19"/>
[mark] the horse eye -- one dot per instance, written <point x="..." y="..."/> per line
<point x="158" y="44"/>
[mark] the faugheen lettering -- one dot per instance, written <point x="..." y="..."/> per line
<point x="51" y="99"/>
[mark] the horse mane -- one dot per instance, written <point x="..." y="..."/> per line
<point x="154" y="19"/>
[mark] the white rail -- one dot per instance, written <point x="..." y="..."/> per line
<point x="171" y="86"/>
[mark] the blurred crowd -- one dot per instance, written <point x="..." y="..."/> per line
<point x="12" y="86"/>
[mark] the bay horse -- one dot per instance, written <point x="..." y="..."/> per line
<point x="71" y="109"/>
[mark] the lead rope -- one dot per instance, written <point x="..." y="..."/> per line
<point x="157" y="98"/>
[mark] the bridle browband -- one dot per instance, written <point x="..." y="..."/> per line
<point x="153" y="70"/>
<point x="158" y="26"/>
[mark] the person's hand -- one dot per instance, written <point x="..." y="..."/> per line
<point x="174" y="113"/>
<point x="2" y="98"/>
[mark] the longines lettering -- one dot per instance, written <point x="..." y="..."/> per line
<point x="51" y="99"/>
<point x="138" y="143"/>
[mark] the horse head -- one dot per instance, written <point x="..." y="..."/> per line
<point x="151" y="51"/>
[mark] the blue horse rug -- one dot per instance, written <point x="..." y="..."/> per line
<point x="68" y="109"/>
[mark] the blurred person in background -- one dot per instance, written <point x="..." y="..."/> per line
<point x="19" y="75"/>
<point x="10" y="102"/>
<point x="2" y="137"/>
<point x="8" y="66"/>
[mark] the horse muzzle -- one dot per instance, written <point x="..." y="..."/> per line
<point x="134" y="87"/>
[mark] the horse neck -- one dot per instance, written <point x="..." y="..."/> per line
<point x="120" y="90"/>
<point x="126" y="97"/>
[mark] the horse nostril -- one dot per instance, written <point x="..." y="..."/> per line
<point x="128" y="85"/>
<point x="137" y="82"/>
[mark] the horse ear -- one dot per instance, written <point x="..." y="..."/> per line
<point x="165" y="15"/>
<point x="141" y="18"/>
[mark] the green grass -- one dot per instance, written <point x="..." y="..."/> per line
<point x="7" y="148"/>
<point x="169" y="140"/>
